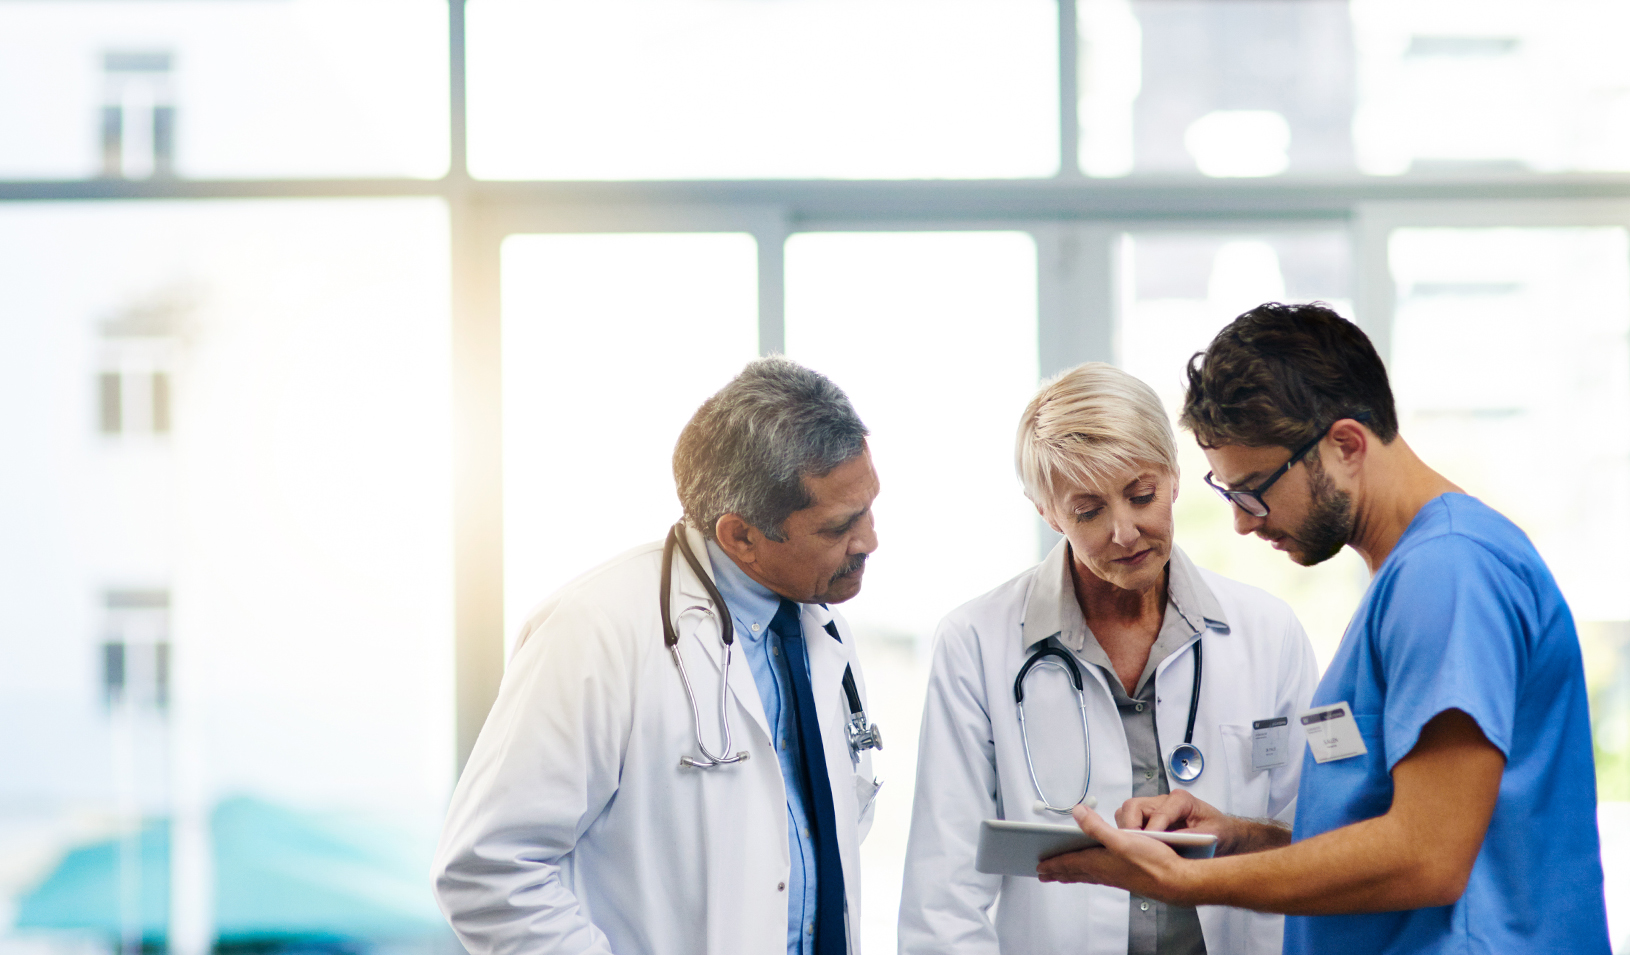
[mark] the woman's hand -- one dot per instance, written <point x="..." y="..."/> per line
<point x="1180" y="811"/>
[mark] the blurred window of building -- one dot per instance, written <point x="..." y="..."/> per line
<point x="610" y="344"/>
<point x="137" y="349"/>
<point x="722" y="89"/>
<point x="1178" y="289"/>
<point x="136" y="648"/>
<point x="243" y="90"/>
<point x="138" y="115"/>
<point x="933" y="337"/>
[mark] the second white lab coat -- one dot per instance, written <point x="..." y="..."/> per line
<point x="971" y="767"/>
<point x="575" y="830"/>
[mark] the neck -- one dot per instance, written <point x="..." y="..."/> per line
<point x="1103" y="601"/>
<point x="1393" y="487"/>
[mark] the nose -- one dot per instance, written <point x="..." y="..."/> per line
<point x="1246" y="523"/>
<point x="866" y="541"/>
<point x="1125" y="530"/>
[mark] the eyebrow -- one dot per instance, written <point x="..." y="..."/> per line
<point x="1136" y="481"/>
<point x="1245" y="483"/>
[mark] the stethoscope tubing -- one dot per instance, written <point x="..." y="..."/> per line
<point x="1086" y="735"/>
<point x="670" y="638"/>
<point x="1187" y="762"/>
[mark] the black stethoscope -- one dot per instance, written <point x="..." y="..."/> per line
<point x="1186" y="762"/>
<point x="862" y="735"/>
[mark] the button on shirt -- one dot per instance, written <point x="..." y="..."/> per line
<point x="752" y="607"/>
<point x="1154" y="928"/>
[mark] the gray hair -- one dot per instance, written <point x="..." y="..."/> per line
<point x="747" y="449"/>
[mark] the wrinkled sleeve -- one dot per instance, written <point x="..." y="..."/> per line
<point x="544" y="767"/>
<point x="945" y="904"/>
<point x="1451" y="638"/>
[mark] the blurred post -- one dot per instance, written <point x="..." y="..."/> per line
<point x="192" y="869"/>
<point x="478" y="516"/>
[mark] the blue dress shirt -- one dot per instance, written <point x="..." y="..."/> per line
<point x="752" y="606"/>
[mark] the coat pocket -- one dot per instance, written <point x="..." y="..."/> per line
<point x="1248" y="789"/>
<point x="866" y="798"/>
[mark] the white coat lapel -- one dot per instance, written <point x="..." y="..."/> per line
<point x="697" y="621"/>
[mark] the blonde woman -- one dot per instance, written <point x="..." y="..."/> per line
<point x="1187" y="680"/>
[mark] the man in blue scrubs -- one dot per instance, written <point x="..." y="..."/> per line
<point x="1447" y="801"/>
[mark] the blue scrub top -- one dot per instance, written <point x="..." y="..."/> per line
<point x="1464" y="615"/>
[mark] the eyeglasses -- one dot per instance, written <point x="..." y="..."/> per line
<point x="1250" y="500"/>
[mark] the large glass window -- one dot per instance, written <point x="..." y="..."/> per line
<point x="933" y="336"/>
<point x="722" y="89"/>
<point x="225" y="579"/>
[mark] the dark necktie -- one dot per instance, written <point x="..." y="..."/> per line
<point x="829" y="899"/>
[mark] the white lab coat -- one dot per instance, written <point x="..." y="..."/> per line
<point x="971" y="767"/>
<point x="573" y="828"/>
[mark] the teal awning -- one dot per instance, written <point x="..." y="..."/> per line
<point x="278" y="873"/>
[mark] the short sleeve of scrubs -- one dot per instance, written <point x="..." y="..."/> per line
<point x="1451" y="637"/>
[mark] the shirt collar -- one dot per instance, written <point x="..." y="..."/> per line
<point x="1051" y="609"/>
<point x="750" y="602"/>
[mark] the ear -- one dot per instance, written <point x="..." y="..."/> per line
<point x="1048" y="518"/>
<point x="738" y="538"/>
<point x="1177" y="485"/>
<point x="1345" y="447"/>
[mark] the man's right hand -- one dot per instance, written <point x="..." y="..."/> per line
<point x="1181" y="811"/>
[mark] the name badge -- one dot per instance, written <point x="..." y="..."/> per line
<point x="1332" y="733"/>
<point x="1270" y="743"/>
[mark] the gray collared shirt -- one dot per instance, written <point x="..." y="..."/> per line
<point x="1155" y="928"/>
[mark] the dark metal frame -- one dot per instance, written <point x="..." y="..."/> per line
<point x="1074" y="220"/>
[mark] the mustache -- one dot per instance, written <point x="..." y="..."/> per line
<point x="851" y="565"/>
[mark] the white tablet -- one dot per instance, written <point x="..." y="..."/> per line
<point x="1016" y="848"/>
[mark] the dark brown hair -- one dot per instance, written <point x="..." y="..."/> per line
<point x="1279" y="374"/>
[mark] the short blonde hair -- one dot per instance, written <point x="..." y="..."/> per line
<point x="1087" y="424"/>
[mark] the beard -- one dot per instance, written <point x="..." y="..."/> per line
<point x="1329" y="522"/>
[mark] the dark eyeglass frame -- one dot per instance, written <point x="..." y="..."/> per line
<point x="1249" y="499"/>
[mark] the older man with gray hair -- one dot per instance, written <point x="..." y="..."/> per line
<point x="631" y="792"/>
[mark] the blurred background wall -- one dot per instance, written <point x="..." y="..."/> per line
<point x="338" y="333"/>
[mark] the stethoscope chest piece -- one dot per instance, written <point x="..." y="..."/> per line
<point x="1186" y="763"/>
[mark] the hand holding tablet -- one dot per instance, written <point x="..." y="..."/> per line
<point x="1017" y="848"/>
